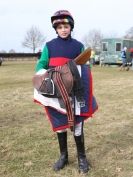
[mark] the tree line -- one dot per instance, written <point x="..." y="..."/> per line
<point x="34" y="39"/>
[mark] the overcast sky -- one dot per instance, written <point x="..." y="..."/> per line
<point x="17" y="16"/>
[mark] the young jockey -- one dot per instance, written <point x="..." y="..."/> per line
<point x="56" y="53"/>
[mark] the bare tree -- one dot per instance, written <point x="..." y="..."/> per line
<point x="12" y="51"/>
<point x="33" y="39"/>
<point x="93" y="39"/>
<point x="3" y="51"/>
<point x="129" y="34"/>
<point x="111" y="34"/>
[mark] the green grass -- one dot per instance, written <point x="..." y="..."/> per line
<point x="28" y="147"/>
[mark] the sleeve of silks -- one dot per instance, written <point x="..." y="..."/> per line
<point x="43" y="61"/>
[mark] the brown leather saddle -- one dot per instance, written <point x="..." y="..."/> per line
<point x="62" y="82"/>
<point x="46" y="84"/>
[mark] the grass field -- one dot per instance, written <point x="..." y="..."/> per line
<point x="28" y="147"/>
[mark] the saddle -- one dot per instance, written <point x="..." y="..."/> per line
<point x="61" y="82"/>
<point x="46" y="83"/>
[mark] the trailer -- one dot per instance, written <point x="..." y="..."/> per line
<point x="111" y="50"/>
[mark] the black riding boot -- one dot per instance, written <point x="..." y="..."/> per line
<point x="63" y="160"/>
<point x="82" y="160"/>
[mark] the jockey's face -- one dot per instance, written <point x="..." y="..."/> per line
<point x="63" y="30"/>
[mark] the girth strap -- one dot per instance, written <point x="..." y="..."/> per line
<point x="78" y="85"/>
<point x="65" y="97"/>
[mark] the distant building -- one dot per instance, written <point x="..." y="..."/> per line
<point x="111" y="50"/>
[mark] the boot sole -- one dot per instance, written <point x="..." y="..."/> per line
<point x="58" y="169"/>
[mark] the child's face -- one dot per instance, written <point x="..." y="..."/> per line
<point x="63" y="30"/>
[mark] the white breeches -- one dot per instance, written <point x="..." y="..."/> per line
<point x="77" y="132"/>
